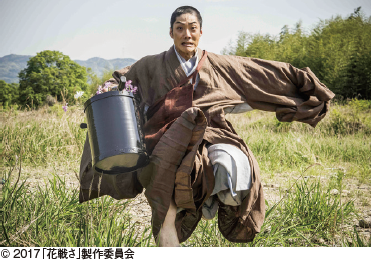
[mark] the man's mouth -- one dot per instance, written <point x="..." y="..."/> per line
<point x="187" y="44"/>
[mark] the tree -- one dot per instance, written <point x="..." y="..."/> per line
<point x="337" y="50"/>
<point x="51" y="73"/>
<point x="9" y="93"/>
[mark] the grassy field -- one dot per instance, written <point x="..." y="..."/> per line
<point x="317" y="182"/>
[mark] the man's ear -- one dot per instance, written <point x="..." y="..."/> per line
<point x="201" y="32"/>
<point x="171" y="33"/>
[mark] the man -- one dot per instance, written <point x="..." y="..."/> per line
<point x="185" y="93"/>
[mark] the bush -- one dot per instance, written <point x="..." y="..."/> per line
<point x="50" y="101"/>
<point x="9" y="94"/>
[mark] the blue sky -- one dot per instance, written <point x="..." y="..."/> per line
<point x="111" y="29"/>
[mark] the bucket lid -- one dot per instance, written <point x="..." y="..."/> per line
<point x="107" y="95"/>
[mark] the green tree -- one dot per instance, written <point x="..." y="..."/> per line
<point x="93" y="81"/>
<point x="9" y="93"/>
<point x="357" y="72"/>
<point x="51" y="73"/>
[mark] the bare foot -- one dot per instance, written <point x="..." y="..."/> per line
<point x="168" y="235"/>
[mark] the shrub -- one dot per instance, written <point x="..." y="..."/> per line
<point x="50" y="101"/>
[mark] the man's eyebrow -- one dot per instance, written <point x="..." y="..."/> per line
<point x="184" y="23"/>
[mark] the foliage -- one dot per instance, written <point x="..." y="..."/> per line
<point x="50" y="101"/>
<point x="93" y="81"/>
<point x="306" y="214"/>
<point x="50" y="73"/>
<point x="9" y="94"/>
<point x="337" y="50"/>
<point x="53" y="217"/>
<point x="50" y="134"/>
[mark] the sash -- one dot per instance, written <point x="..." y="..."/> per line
<point x="167" y="109"/>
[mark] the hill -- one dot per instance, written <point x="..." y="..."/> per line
<point x="11" y="65"/>
<point x="98" y="65"/>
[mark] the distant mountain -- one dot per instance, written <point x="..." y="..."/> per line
<point x="99" y="65"/>
<point x="11" y="65"/>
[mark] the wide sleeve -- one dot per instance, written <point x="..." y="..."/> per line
<point x="293" y="94"/>
<point x="139" y="74"/>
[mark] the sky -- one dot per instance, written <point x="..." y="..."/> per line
<point x="110" y="29"/>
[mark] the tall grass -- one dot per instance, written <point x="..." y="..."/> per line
<point x="49" y="214"/>
<point x="307" y="216"/>
<point x="48" y="134"/>
<point x="52" y="216"/>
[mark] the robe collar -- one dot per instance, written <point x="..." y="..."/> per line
<point x="186" y="64"/>
<point x="174" y="64"/>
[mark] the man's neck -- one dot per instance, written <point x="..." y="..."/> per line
<point x="185" y="56"/>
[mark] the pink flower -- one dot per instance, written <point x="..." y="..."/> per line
<point x="128" y="83"/>
<point x="65" y="107"/>
<point x="99" y="91"/>
<point x="128" y="86"/>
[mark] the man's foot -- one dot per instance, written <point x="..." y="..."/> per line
<point x="168" y="235"/>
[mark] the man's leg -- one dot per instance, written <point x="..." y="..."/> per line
<point x="168" y="235"/>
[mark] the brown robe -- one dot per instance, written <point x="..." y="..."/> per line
<point x="179" y="164"/>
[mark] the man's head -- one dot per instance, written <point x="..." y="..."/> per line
<point x="186" y="30"/>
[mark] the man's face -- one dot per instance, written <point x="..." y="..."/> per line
<point x="186" y="33"/>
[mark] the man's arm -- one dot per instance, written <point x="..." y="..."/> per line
<point x="294" y="94"/>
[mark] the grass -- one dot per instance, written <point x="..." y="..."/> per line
<point x="42" y="209"/>
<point x="307" y="216"/>
<point x="48" y="135"/>
<point x="51" y="216"/>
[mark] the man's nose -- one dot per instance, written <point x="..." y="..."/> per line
<point x="187" y="34"/>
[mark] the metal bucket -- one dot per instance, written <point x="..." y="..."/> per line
<point x="115" y="132"/>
